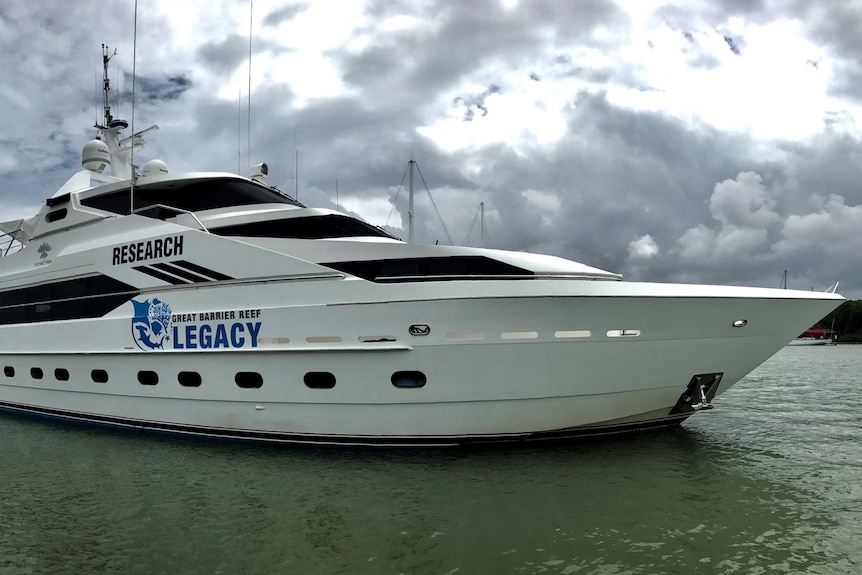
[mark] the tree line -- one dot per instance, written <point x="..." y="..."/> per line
<point x="846" y="321"/>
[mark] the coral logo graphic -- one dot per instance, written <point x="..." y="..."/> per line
<point x="151" y="324"/>
<point x="44" y="249"/>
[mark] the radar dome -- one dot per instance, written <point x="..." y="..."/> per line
<point x="155" y="168"/>
<point x="95" y="156"/>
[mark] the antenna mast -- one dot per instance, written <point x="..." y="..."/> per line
<point x="250" y="22"/>
<point x="106" y="83"/>
<point x="134" y="77"/>
<point x="410" y="204"/>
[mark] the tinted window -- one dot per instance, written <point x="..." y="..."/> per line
<point x="435" y="268"/>
<point x="309" y="228"/>
<point x="36" y="372"/>
<point x="71" y="299"/>
<point x="193" y="196"/>
<point x="61" y="374"/>
<point x="9" y="371"/>
<point x="99" y="375"/>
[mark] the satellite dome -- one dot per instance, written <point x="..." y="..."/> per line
<point x="155" y="168"/>
<point x="95" y="156"/>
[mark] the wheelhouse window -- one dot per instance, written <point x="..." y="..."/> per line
<point x="305" y="228"/>
<point x="192" y="196"/>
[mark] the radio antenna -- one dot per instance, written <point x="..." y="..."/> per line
<point x="239" y="133"/>
<point x="250" y="22"/>
<point x="134" y="82"/>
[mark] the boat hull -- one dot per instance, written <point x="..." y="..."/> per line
<point x="494" y="368"/>
<point x="808" y="342"/>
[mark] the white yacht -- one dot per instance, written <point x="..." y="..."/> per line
<point x="211" y="304"/>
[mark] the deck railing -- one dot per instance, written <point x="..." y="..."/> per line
<point x="8" y="243"/>
<point x="162" y="212"/>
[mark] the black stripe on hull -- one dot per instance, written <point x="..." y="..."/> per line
<point x="267" y="437"/>
<point x="212" y="274"/>
<point x="181" y="272"/>
<point x="159" y="275"/>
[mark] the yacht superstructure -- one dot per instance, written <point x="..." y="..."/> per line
<point x="212" y="304"/>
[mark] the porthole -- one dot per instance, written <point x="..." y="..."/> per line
<point x="9" y="371"/>
<point x="408" y="379"/>
<point x="319" y="380"/>
<point x="61" y="374"/>
<point x="99" y="375"/>
<point x="740" y="323"/>
<point x="148" y="378"/>
<point x="36" y="372"/>
<point x="189" y="378"/>
<point x="248" y="379"/>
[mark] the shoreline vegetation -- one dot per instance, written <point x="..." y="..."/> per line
<point x="846" y="321"/>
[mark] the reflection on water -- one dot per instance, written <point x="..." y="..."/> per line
<point x="769" y="482"/>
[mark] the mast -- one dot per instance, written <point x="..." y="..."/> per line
<point x="410" y="205"/>
<point x="120" y="151"/>
<point x="110" y="128"/>
<point x="106" y="84"/>
<point x="482" y="223"/>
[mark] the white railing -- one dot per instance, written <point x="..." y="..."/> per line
<point x="9" y="244"/>
<point x="151" y="207"/>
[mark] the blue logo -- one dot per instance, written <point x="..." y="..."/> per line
<point x="151" y="324"/>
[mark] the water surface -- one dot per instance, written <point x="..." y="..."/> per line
<point x="768" y="482"/>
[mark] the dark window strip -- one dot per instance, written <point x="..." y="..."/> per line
<point x="159" y="275"/>
<point x="192" y="196"/>
<point x="306" y="228"/>
<point x="177" y="271"/>
<point x="81" y="308"/>
<point x="73" y="289"/>
<point x="202" y="270"/>
<point x="412" y="269"/>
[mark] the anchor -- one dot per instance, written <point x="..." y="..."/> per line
<point x="697" y="395"/>
<point x="704" y="402"/>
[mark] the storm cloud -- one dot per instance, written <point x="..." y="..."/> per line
<point x="717" y="143"/>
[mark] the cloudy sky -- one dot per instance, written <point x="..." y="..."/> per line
<point x="702" y="141"/>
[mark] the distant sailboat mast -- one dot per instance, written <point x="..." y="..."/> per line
<point x="410" y="203"/>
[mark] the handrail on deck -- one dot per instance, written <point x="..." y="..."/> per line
<point x="171" y="208"/>
<point x="9" y="244"/>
